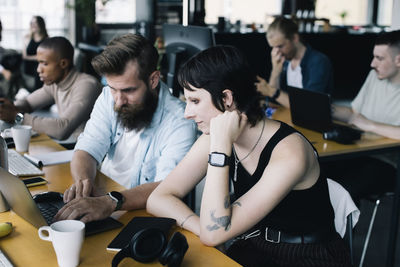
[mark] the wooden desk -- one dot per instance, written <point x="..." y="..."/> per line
<point x="24" y="247"/>
<point x="369" y="144"/>
<point x="40" y="137"/>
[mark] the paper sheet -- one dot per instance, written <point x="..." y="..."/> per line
<point x="51" y="158"/>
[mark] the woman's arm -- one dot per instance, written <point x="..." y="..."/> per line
<point x="166" y="199"/>
<point x="221" y="221"/>
<point x="31" y="57"/>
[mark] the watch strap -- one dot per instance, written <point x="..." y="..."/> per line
<point x="276" y="94"/>
<point x="117" y="197"/>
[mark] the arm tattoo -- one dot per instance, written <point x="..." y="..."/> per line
<point x="224" y="221"/>
<point x="227" y="202"/>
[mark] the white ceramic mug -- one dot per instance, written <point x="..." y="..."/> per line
<point x="67" y="237"/>
<point x="21" y="135"/>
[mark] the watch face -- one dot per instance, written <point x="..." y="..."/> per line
<point x="19" y="118"/>
<point x="218" y="159"/>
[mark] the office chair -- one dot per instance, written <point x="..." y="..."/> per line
<point x="346" y="213"/>
<point x="377" y="200"/>
<point x="79" y="59"/>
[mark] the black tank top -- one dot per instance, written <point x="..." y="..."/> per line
<point x="32" y="47"/>
<point x="301" y="211"/>
<point x="31" y="65"/>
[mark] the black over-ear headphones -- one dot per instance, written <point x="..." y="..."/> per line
<point x="150" y="243"/>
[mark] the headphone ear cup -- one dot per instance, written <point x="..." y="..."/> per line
<point x="147" y="244"/>
<point x="174" y="251"/>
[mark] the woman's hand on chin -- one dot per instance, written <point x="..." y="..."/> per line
<point x="225" y="129"/>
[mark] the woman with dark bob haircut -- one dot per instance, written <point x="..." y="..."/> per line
<point x="282" y="215"/>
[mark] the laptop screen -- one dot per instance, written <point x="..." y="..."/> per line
<point x="19" y="198"/>
<point x="21" y="202"/>
<point x="311" y="110"/>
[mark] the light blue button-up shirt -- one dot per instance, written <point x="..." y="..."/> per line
<point x="161" y="147"/>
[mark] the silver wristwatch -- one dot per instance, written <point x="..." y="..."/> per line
<point x="218" y="159"/>
<point x="19" y="118"/>
<point x="118" y="198"/>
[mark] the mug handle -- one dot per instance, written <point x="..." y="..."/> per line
<point x="45" y="229"/>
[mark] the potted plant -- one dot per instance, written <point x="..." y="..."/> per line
<point x="85" y="11"/>
<point x="343" y="16"/>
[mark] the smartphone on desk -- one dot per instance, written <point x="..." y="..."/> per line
<point x="10" y="142"/>
<point x="34" y="181"/>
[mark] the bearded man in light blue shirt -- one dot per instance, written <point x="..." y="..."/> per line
<point x="136" y="133"/>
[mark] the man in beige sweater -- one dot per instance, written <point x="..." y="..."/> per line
<point x="74" y="94"/>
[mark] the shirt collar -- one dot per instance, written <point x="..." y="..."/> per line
<point x="160" y="107"/>
<point x="68" y="81"/>
<point x="307" y="54"/>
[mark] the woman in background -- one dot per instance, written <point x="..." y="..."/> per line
<point x="282" y="215"/>
<point x="32" y="40"/>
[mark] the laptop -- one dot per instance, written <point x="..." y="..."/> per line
<point x="312" y="110"/>
<point x="21" y="202"/>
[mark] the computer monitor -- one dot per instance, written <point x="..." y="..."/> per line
<point x="181" y="43"/>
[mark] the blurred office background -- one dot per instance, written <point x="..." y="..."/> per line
<point x="344" y="30"/>
<point x="67" y="17"/>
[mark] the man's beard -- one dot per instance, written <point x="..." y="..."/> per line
<point x="291" y="54"/>
<point x="138" y="116"/>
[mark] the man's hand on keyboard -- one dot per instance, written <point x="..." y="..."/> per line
<point x="87" y="209"/>
<point x="81" y="188"/>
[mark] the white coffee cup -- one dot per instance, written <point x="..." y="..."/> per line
<point x="67" y="237"/>
<point x="21" y="135"/>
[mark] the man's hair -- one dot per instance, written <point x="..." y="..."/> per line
<point x="61" y="46"/>
<point x="219" y="68"/>
<point x="123" y="49"/>
<point x="286" y="26"/>
<point x="392" y="39"/>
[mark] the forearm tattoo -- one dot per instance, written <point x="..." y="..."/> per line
<point x="227" y="202"/>
<point x="224" y="221"/>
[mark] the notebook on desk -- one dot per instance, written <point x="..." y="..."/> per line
<point x="312" y="110"/>
<point x="21" y="202"/>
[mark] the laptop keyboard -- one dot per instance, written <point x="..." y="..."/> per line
<point x="18" y="165"/>
<point x="4" y="261"/>
<point x="48" y="211"/>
